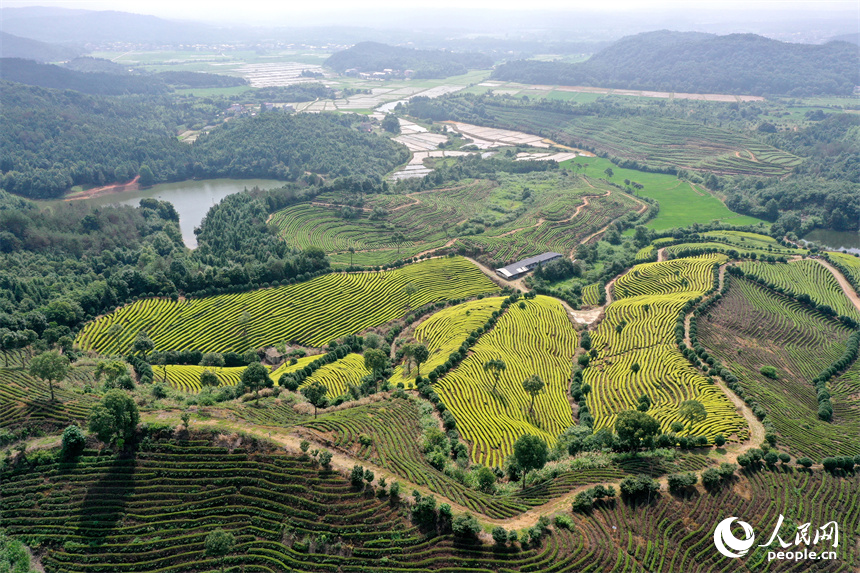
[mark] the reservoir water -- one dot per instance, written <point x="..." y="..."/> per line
<point x="835" y="240"/>
<point x="192" y="199"/>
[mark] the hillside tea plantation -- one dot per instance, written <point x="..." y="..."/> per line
<point x="754" y="327"/>
<point x="639" y="328"/>
<point x="445" y="331"/>
<point x="807" y="277"/>
<point x="538" y="339"/>
<point x="311" y="313"/>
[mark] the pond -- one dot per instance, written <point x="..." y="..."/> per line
<point x="192" y="199"/>
<point x="835" y="240"/>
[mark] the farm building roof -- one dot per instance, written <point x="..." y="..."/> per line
<point x="525" y="265"/>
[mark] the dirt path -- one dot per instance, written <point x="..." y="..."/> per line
<point x="843" y="282"/>
<point x="445" y="246"/>
<point x="585" y="241"/>
<point x="105" y="190"/>
<point x="661" y="255"/>
<point x="757" y="430"/>
<point x="518" y="283"/>
<point x="336" y="206"/>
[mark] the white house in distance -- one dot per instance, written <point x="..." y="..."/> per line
<point x="519" y="268"/>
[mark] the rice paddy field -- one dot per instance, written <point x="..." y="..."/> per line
<point x="312" y="313"/>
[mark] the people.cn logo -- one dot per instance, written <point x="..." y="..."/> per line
<point x="728" y="544"/>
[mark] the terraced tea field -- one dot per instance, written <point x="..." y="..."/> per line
<point x="639" y="328"/>
<point x="545" y="235"/>
<point x="850" y="263"/>
<point x="805" y="277"/>
<point x="152" y="512"/>
<point x="26" y="401"/>
<point x="395" y="444"/>
<point x="752" y="327"/>
<point x="445" y="331"/>
<point x="339" y="375"/>
<point x="555" y="214"/>
<point x="655" y="141"/>
<point x="187" y="377"/>
<point x="311" y="313"/>
<point x="538" y="339"/>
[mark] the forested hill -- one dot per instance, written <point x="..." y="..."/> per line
<point x="102" y="77"/>
<point x="704" y="63"/>
<point x="12" y="46"/>
<point x="51" y="140"/>
<point x="102" y="83"/>
<point x="375" y="57"/>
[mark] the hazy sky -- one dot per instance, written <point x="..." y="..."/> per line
<point x="269" y="11"/>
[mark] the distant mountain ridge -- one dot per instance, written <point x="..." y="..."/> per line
<point x="704" y="63"/>
<point x="58" y="25"/>
<point x="373" y="57"/>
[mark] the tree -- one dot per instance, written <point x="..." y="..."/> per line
<point x="208" y="378"/>
<point x="609" y="172"/>
<point x="351" y="250"/>
<point x="256" y="376"/>
<point x="533" y="386"/>
<point x="495" y="366"/>
<point x="243" y="321"/>
<point x="51" y="366"/>
<point x="410" y="289"/>
<point x="693" y="411"/>
<point x="375" y="361"/>
<point x="73" y="442"/>
<point x="486" y="479"/>
<point x="142" y="345"/>
<point x="399" y="238"/>
<point x="420" y="354"/>
<point x="212" y="359"/>
<point x="406" y="350"/>
<point x="636" y="429"/>
<point x="218" y="544"/>
<point x="315" y="393"/>
<point x="147" y="178"/>
<point x="530" y="453"/>
<point x="390" y="123"/>
<point x="115" y="418"/>
<point x="465" y="526"/>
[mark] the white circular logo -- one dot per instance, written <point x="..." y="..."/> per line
<point x="727" y="543"/>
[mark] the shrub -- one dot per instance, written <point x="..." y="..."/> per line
<point x="634" y="487"/>
<point x="719" y="440"/>
<point x="710" y="478"/>
<point x="465" y="526"/>
<point x="356" y="476"/>
<point x="805" y="462"/>
<point x="770" y="372"/>
<point x="500" y="535"/>
<point x="830" y="464"/>
<point x="73" y="442"/>
<point x="679" y="482"/>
